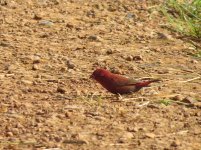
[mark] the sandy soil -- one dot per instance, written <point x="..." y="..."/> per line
<point x="48" y="49"/>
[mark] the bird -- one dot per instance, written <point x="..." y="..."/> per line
<point x="118" y="84"/>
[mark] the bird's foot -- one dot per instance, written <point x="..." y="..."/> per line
<point x="119" y="97"/>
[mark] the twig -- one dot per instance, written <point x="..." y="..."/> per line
<point x="144" y="104"/>
<point x="190" y="80"/>
<point x="133" y="98"/>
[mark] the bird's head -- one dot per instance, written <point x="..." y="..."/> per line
<point x="99" y="73"/>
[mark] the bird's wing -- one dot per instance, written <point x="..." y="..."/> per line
<point x="123" y="81"/>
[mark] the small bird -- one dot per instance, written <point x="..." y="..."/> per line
<point x="118" y="84"/>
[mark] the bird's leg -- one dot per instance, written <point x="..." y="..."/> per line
<point x="119" y="97"/>
<point x="142" y="91"/>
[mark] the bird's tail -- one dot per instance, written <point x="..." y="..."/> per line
<point x="145" y="83"/>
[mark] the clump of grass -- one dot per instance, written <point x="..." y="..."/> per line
<point x="198" y="54"/>
<point x="184" y="16"/>
<point x="166" y="102"/>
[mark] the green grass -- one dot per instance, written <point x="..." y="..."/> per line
<point x="198" y="54"/>
<point x="166" y="102"/>
<point x="184" y="16"/>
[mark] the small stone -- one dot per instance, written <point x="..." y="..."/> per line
<point x="150" y="135"/>
<point x="128" y="135"/>
<point x="67" y="115"/>
<point x="63" y="69"/>
<point x="4" y="44"/>
<point x="196" y="131"/>
<point x="9" y="134"/>
<point x="2" y="76"/>
<point x="192" y="48"/>
<point x="109" y="51"/>
<point x="163" y="36"/>
<point x="58" y="138"/>
<point x="36" y="60"/>
<point x="130" y="16"/>
<point x="133" y="129"/>
<point x="197" y="104"/>
<point x="37" y="17"/>
<point x="137" y="58"/>
<point x="177" y="98"/>
<point x="116" y="70"/>
<point x="91" y="13"/>
<point x="46" y="23"/>
<point x="15" y="131"/>
<point x="75" y="140"/>
<point x="143" y="42"/>
<point x="139" y="24"/>
<point x="163" y="71"/>
<point x="129" y="58"/>
<point x="28" y="141"/>
<point x="35" y="67"/>
<point x="198" y="114"/>
<point x="189" y="99"/>
<point x="70" y="64"/>
<point x="194" y="61"/>
<point x="94" y="38"/>
<point x="27" y="82"/>
<point x="18" y="125"/>
<point x="175" y="143"/>
<point x="61" y="90"/>
<point x="3" y="108"/>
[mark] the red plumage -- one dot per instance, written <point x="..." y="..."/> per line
<point x="118" y="84"/>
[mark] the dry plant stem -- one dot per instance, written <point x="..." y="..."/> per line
<point x="133" y="98"/>
<point x="144" y="104"/>
<point x="190" y="80"/>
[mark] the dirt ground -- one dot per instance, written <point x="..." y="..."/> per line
<point x="49" y="48"/>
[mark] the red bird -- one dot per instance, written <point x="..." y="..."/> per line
<point x="118" y="84"/>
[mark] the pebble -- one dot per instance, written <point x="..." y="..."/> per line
<point x="15" y="131"/>
<point x="4" y="44"/>
<point x="192" y="48"/>
<point x="194" y="61"/>
<point x="61" y="90"/>
<point x="35" y="67"/>
<point x="198" y="114"/>
<point x="128" y="135"/>
<point x="129" y="58"/>
<point x="27" y="82"/>
<point x="130" y="16"/>
<point x="94" y="38"/>
<point x="177" y="98"/>
<point x="46" y="23"/>
<point x="9" y="134"/>
<point x="189" y="99"/>
<point x="3" y="108"/>
<point x="133" y="129"/>
<point x="75" y="142"/>
<point x="109" y="51"/>
<point x="36" y="60"/>
<point x="163" y="36"/>
<point x="116" y="70"/>
<point x="70" y="64"/>
<point x="197" y="104"/>
<point x="37" y="17"/>
<point x="163" y="71"/>
<point x="150" y="135"/>
<point x="175" y="143"/>
<point x="137" y="58"/>
<point x="2" y="76"/>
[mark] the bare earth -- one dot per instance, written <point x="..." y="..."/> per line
<point x="49" y="48"/>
